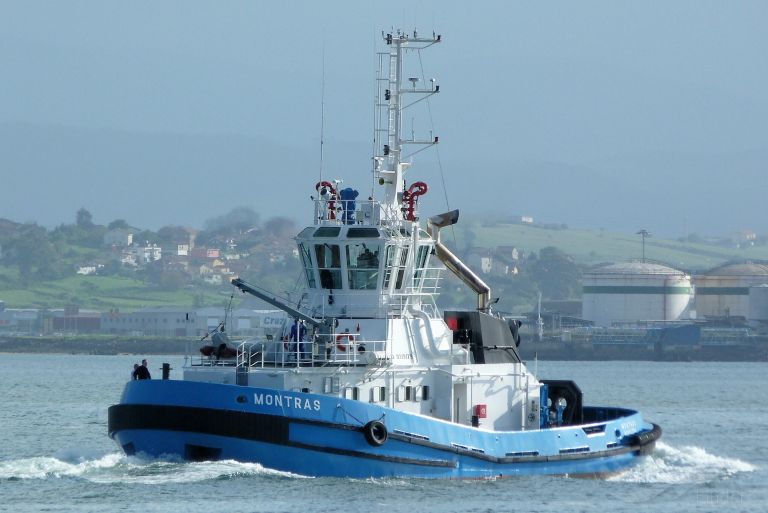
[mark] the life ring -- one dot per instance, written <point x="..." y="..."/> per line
<point x="320" y="187"/>
<point x="340" y="345"/>
<point x="375" y="433"/>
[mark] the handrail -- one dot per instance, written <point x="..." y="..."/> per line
<point x="343" y="349"/>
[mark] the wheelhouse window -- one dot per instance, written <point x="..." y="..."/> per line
<point x="306" y="259"/>
<point x="363" y="233"/>
<point x="363" y="265"/>
<point x="396" y="258"/>
<point x="421" y="263"/>
<point x="328" y="231"/>
<point x="329" y="264"/>
<point x="401" y="267"/>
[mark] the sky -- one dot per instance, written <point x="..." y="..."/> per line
<point x="597" y="114"/>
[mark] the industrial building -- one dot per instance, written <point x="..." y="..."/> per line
<point x="632" y="291"/>
<point x="758" y="305"/>
<point x="181" y="322"/>
<point x="725" y="291"/>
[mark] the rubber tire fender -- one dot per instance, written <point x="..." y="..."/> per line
<point x="375" y="433"/>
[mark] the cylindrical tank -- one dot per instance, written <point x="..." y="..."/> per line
<point x="634" y="291"/>
<point x="724" y="291"/>
<point x="758" y="303"/>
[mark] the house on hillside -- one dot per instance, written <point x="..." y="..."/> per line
<point x="88" y="269"/>
<point x="140" y="254"/>
<point x="203" y="253"/>
<point x="118" y="237"/>
<point x="509" y="253"/>
<point x="479" y="258"/>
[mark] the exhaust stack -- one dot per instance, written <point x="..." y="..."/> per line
<point x="452" y="262"/>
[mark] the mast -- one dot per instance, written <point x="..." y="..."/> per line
<point x="389" y="162"/>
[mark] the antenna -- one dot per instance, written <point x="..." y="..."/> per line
<point x="540" y="323"/>
<point x="644" y="234"/>
<point x="322" y="113"/>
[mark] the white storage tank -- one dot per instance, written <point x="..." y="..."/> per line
<point x="758" y="304"/>
<point x="635" y="291"/>
<point x="724" y="291"/>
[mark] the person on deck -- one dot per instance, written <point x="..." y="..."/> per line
<point x="142" y="372"/>
<point x="302" y="333"/>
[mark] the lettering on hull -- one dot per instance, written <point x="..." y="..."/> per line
<point x="286" y="401"/>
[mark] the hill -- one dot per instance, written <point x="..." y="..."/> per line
<point x="584" y="247"/>
<point x="589" y="247"/>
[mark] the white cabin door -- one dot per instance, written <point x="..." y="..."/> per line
<point x="459" y="403"/>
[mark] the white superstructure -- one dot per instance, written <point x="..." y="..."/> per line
<point x="372" y="329"/>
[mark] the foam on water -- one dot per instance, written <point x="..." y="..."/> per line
<point x="43" y="467"/>
<point x="666" y="465"/>
<point x="687" y="464"/>
<point x="116" y="467"/>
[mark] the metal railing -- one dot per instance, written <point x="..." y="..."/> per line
<point x="318" y="351"/>
<point x="347" y="212"/>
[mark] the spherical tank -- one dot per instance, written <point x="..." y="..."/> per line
<point x="758" y="303"/>
<point x="634" y="291"/>
<point x="724" y="291"/>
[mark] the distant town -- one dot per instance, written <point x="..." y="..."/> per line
<point x="116" y="279"/>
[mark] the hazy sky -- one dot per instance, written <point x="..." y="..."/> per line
<point x="615" y="115"/>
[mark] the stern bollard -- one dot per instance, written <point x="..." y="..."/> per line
<point x="166" y="370"/>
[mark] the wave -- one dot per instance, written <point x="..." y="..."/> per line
<point x="666" y="465"/>
<point x="687" y="464"/>
<point x="118" y="468"/>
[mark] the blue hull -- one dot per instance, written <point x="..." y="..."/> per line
<point x="318" y="435"/>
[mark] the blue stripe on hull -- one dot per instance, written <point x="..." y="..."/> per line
<point x="322" y="436"/>
<point x="318" y="463"/>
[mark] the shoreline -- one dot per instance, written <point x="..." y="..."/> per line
<point x="644" y="352"/>
<point x="97" y="345"/>
<point x="111" y="345"/>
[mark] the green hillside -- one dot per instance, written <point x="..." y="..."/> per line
<point x="587" y="247"/>
<point x="104" y="293"/>
<point x="592" y="247"/>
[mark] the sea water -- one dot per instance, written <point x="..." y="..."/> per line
<point x="55" y="454"/>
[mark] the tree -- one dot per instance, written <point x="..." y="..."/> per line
<point x="146" y="236"/>
<point x="239" y="218"/>
<point x="84" y="219"/>
<point x="280" y="227"/>
<point x="36" y="257"/>
<point x="170" y="235"/>
<point x="556" y="274"/>
<point x="118" y="224"/>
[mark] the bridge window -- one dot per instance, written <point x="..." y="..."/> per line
<point x="329" y="264"/>
<point x="396" y="258"/>
<point x="363" y="266"/>
<point x="401" y="267"/>
<point x="363" y="233"/>
<point x="306" y="259"/>
<point x="328" y="231"/>
<point x="421" y="262"/>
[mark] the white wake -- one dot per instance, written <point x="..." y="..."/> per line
<point x="687" y="464"/>
<point x="116" y="467"/>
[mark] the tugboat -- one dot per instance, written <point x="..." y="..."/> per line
<point x="371" y="379"/>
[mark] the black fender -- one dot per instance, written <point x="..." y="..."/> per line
<point x="375" y="433"/>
